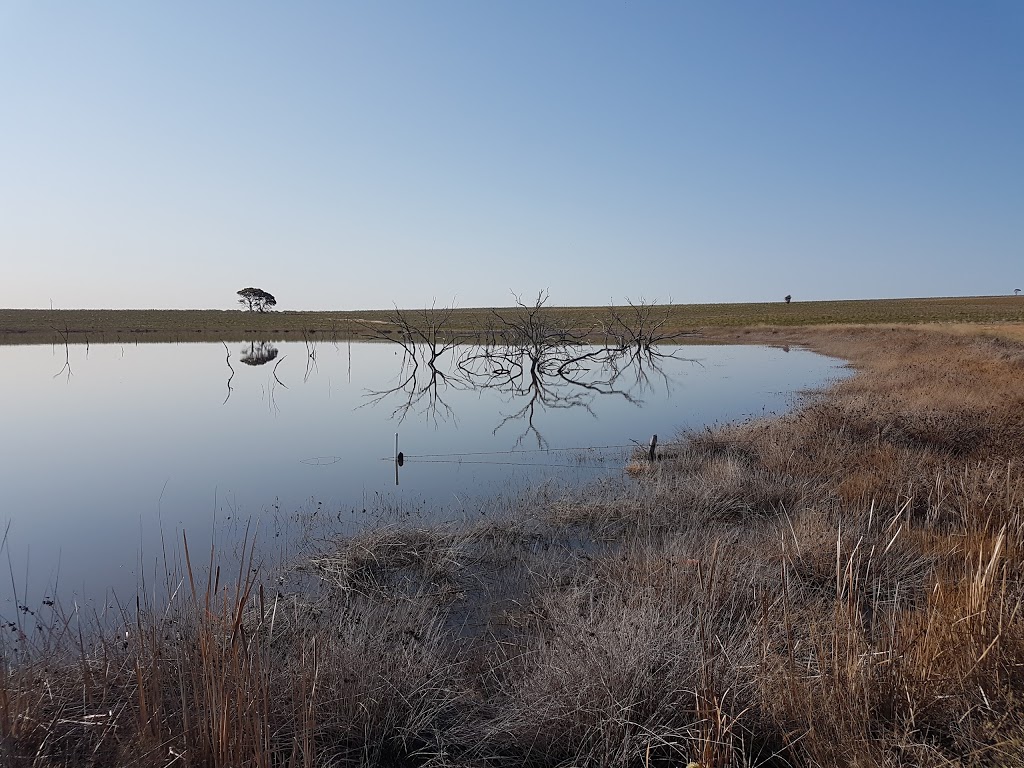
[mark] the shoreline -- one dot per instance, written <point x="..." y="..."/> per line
<point x="838" y="585"/>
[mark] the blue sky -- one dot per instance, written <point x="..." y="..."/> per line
<point x="349" y="155"/>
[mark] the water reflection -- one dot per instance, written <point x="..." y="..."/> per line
<point x="561" y="376"/>
<point x="533" y="360"/>
<point x="67" y="355"/>
<point x="258" y="353"/>
<point x="231" y="375"/>
<point x="145" y="441"/>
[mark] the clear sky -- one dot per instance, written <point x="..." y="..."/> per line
<point x="349" y="155"/>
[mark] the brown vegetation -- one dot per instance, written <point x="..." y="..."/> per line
<point x="39" y="326"/>
<point x="836" y="587"/>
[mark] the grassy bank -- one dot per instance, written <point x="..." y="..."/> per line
<point x="836" y="587"/>
<point x="20" y="326"/>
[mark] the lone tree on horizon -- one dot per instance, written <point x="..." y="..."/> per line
<point x="789" y="298"/>
<point x="256" y="299"/>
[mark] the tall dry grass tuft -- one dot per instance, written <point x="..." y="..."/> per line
<point x="225" y="674"/>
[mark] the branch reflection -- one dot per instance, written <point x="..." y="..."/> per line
<point x="566" y="375"/>
<point x="536" y="357"/>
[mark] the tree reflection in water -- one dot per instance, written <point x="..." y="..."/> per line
<point x="528" y="357"/>
<point x="258" y="353"/>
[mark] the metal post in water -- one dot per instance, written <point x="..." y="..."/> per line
<point x="396" y="458"/>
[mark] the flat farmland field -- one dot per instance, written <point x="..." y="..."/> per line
<point x="36" y="326"/>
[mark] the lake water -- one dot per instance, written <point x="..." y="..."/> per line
<point x="106" y="449"/>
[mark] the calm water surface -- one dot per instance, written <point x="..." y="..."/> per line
<point x="105" y="450"/>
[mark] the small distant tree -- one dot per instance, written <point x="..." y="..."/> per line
<point x="1016" y="291"/>
<point x="256" y="299"/>
<point x="789" y="298"/>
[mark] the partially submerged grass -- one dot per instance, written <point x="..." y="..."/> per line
<point x="839" y="586"/>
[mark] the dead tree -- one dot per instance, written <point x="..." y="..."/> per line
<point x="529" y="356"/>
<point x="426" y="337"/>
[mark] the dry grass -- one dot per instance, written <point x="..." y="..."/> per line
<point x="837" y="587"/>
<point x="38" y="326"/>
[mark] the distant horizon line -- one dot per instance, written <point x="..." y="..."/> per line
<point x="440" y="306"/>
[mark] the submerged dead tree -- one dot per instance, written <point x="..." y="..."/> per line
<point x="533" y="359"/>
<point x="425" y="337"/>
<point x="531" y="356"/>
<point x="639" y="338"/>
<point x="639" y="326"/>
